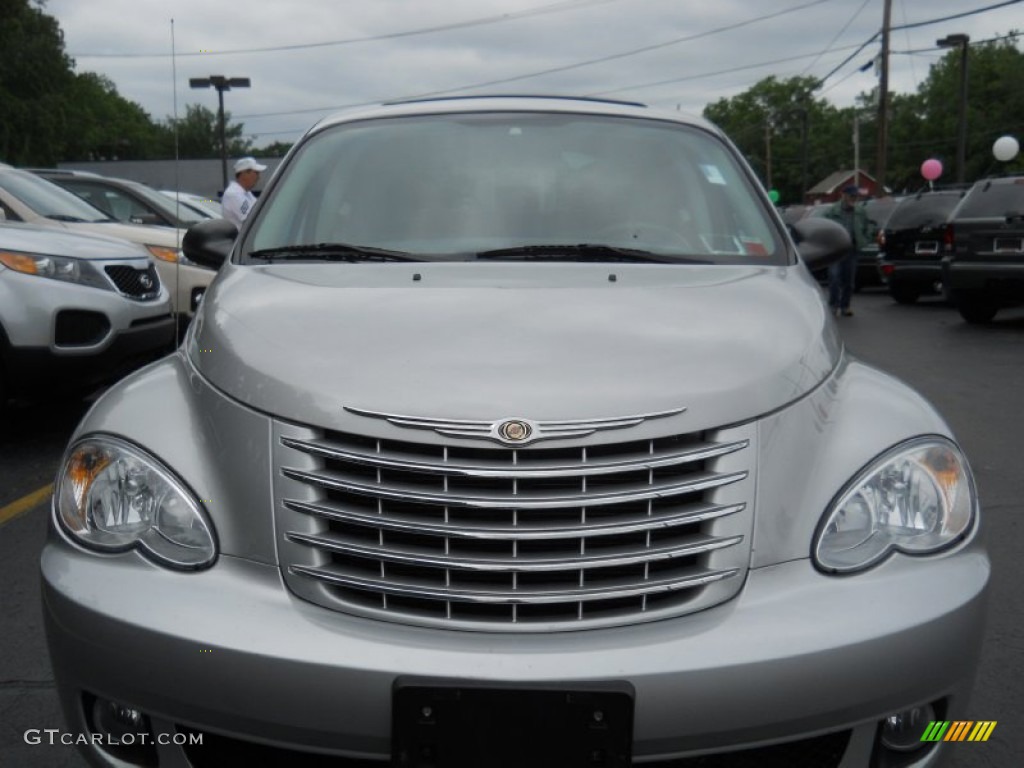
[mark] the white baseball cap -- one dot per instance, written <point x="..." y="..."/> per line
<point x="248" y="164"/>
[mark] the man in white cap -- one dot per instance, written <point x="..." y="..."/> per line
<point x="238" y="198"/>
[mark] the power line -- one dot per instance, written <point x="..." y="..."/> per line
<point x="565" y="5"/>
<point x="566" y="67"/>
<point x="715" y="73"/>
<point x="918" y="24"/>
<point x="839" y="34"/>
<point x="965" y="14"/>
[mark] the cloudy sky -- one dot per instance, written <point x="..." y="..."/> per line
<point x="307" y="58"/>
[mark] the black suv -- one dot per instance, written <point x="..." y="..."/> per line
<point x="983" y="262"/>
<point x="911" y="244"/>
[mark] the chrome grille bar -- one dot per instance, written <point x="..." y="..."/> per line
<point x="332" y="481"/>
<point x="508" y="597"/>
<point x="512" y="564"/>
<point x="620" y="527"/>
<point x="553" y="470"/>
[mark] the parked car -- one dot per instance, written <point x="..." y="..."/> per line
<point x="205" y="207"/>
<point x="28" y="198"/>
<point x="983" y="258"/>
<point x="911" y="244"/>
<point x="514" y="432"/>
<point x="127" y="201"/>
<point x="76" y="310"/>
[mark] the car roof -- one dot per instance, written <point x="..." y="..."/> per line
<point x="512" y="103"/>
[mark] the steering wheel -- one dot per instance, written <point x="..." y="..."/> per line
<point x="643" y="232"/>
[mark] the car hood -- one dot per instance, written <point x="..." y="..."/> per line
<point x="491" y="341"/>
<point x="62" y="242"/>
<point x="166" y="237"/>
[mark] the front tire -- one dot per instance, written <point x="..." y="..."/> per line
<point x="976" y="310"/>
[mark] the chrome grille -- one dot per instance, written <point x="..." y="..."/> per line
<point x="461" y="534"/>
<point x="136" y="283"/>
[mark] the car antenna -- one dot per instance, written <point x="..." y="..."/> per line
<point x="177" y="183"/>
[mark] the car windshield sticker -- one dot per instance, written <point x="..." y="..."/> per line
<point x="753" y="247"/>
<point x="712" y="174"/>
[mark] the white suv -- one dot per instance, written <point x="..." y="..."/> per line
<point x="76" y="310"/>
<point x="27" y="198"/>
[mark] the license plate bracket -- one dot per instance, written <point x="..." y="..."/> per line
<point x="1008" y="245"/>
<point x="448" y="725"/>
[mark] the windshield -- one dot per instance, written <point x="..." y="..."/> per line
<point x="928" y="210"/>
<point x="47" y="199"/>
<point x="989" y="199"/>
<point x="169" y="207"/>
<point x="456" y="186"/>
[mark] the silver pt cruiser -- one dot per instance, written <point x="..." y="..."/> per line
<point x="513" y="433"/>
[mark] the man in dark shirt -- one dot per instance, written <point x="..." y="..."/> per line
<point x="842" y="274"/>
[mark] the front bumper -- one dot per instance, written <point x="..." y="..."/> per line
<point x="796" y="654"/>
<point x="186" y="284"/>
<point x="34" y="369"/>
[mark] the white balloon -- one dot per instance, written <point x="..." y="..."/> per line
<point x="1005" y="148"/>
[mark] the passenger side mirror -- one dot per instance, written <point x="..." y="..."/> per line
<point x="209" y="242"/>
<point x="821" y="242"/>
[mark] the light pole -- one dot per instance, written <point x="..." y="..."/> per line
<point x="961" y="41"/>
<point x="222" y="84"/>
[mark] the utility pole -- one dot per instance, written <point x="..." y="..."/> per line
<point x="961" y="41"/>
<point x="856" y="149"/>
<point x="883" y="101"/>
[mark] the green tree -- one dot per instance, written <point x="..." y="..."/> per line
<point x="790" y="137"/>
<point x="102" y="125"/>
<point x="275" y="149"/>
<point x="199" y="134"/>
<point x="35" y="74"/>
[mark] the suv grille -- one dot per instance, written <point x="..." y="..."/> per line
<point x="133" y="282"/>
<point x="528" y="538"/>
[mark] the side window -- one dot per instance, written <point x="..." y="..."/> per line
<point x="8" y="212"/>
<point x="123" y="207"/>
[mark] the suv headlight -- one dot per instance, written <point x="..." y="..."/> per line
<point x="111" y="496"/>
<point x="55" y="268"/>
<point x="171" y="255"/>
<point x="918" y="498"/>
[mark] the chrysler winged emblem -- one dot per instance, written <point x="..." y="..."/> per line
<point x="514" y="431"/>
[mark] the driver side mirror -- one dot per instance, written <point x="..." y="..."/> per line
<point x="821" y="242"/>
<point x="209" y="242"/>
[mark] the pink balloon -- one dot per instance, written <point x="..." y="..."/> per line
<point x="931" y="169"/>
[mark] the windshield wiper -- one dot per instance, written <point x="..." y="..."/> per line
<point x="65" y="217"/>
<point x="331" y="252"/>
<point x="584" y="252"/>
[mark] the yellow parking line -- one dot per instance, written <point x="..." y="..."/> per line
<point x="24" y="504"/>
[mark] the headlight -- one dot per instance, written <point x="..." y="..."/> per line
<point x="917" y="499"/>
<point x="54" y="267"/>
<point x="171" y="255"/>
<point x="111" y="496"/>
